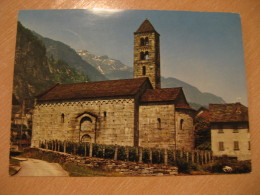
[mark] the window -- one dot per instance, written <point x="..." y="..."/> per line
<point x="181" y="124"/>
<point x="235" y="129"/>
<point x="142" y="57"/>
<point x="142" y="42"/>
<point x="62" y="118"/>
<point x="249" y="146"/>
<point x="159" y="123"/>
<point x="144" y="70"/>
<point x="146" y="55"/>
<point x="236" y="145"/>
<point x="105" y="114"/>
<point x="146" y="41"/>
<point x="221" y="146"/>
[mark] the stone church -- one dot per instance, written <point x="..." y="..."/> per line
<point x="129" y="112"/>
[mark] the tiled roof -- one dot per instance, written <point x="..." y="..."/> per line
<point x="126" y="87"/>
<point x="235" y="112"/>
<point x="146" y="26"/>
<point x="165" y="95"/>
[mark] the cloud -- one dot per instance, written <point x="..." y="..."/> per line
<point x="105" y="12"/>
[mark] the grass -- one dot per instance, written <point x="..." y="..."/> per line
<point x="84" y="171"/>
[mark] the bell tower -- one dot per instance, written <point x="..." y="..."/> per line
<point x="147" y="54"/>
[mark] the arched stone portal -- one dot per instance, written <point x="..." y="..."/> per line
<point x="86" y="138"/>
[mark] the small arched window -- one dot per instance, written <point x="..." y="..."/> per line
<point x="159" y="123"/>
<point x="142" y="42"/>
<point x="62" y="118"/>
<point x="142" y="56"/>
<point x="146" y="55"/>
<point x="144" y="70"/>
<point x="86" y="124"/>
<point x="181" y="124"/>
<point x="146" y="41"/>
<point x="105" y="114"/>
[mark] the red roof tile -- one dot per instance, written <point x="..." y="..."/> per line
<point x="235" y="112"/>
<point x="126" y="87"/>
<point x="159" y="95"/>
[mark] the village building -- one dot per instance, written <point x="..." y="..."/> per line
<point x="129" y="112"/>
<point x="230" y="134"/>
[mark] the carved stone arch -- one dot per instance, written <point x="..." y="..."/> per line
<point x="86" y="138"/>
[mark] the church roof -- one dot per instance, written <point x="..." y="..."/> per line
<point x="166" y="95"/>
<point x="235" y="112"/>
<point x="125" y="87"/>
<point x="146" y="26"/>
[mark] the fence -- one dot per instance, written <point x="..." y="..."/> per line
<point x="128" y="153"/>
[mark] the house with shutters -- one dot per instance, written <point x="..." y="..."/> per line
<point x="230" y="135"/>
<point x="128" y="112"/>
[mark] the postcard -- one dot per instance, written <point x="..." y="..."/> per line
<point x="119" y="93"/>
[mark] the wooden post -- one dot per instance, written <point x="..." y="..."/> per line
<point x="202" y="157"/>
<point x="115" y="155"/>
<point x="52" y="145"/>
<point x="90" y="149"/>
<point x="181" y="154"/>
<point x="206" y="157"/>
<point x="85" y="149"/>
<point x="46" y="146"/>
<point x="192" y="156"/>
<point x="198" y="157"/>
<point x="65" y="147"/>
<point x="127" y="153"/>
<point x="174" y="155"/>
<point x="140" y="154"/>
<point x="165" y="157"/>
<point x="74" y="148"/>
<point x="187" y="156"/>
<point x="150" y="155"/>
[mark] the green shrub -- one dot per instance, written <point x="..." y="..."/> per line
<point x="110" y="152"/>
<point x="121" y="154"/>
<point x="97" y="150"/>
<point x="133" y="154"/>
<point x="146" y="155"/>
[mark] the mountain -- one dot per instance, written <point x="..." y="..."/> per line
<point x="59" y="50"/>
<point x="193" y="94"/>
<point x="111" y="68"/>
<point x="34" y="71"/>
<point x="114" y="69"/>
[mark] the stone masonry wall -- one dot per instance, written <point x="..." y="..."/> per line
<point x="110" y="121"/>
<point x="185" y="134"/>
<point x="152" y="64"/>
<point x="157" y="125"/>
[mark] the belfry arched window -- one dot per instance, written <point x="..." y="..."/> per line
<point x="142" y="56"/>
<point x="144" y="70"/>
<point x="146" y="55"/>
<point x="146" y="41"/>
<point x="142" y="42"/>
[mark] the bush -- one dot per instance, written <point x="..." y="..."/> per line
<point x="133" y="154"/>
<point x="97" y="150"/>
<point x="121" y="154"/>
<point x="146" y="155"/>
<point x="157" y="156"/>
<point x="110" y="152"/>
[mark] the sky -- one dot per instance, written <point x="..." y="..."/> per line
<point x="203" y="49"/>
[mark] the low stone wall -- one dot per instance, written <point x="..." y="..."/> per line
<point x="123" y="167"/>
